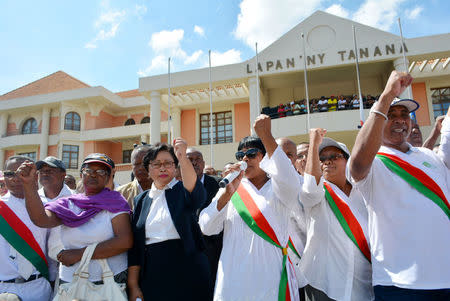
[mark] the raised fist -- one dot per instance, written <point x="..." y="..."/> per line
<point x="263" y="125"/>
<point x="397" y="83"/>
<point x="180" y="147"/>
<point x="316" y="135"/>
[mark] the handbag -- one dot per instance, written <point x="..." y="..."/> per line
<point x="82" y="289"/>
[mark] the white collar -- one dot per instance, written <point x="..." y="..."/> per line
<point x="168" y="186"/>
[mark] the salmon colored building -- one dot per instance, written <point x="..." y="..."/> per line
<point x="65" y="117"/>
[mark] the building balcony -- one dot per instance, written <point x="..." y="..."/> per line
<point x="119" y="132"/>
<point x="337" y="121"/>
<point x="19" y="140"/>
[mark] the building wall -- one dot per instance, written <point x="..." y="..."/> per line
<point x="11" y="128"/>
<point x="103" y="120"/>
<point x="188" y="121"/>
<point x="242" y="120"/>
<point x="419" y="91"/>
<point x="54" y="126"/>
<point x="52" y="150"/>
<point x="112" y="149"/>
<point x="9" y="153"/>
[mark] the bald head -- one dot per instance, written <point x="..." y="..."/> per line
<point x="289" y="148"/>
<point x="197" y="161"/>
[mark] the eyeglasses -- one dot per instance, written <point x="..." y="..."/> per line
<point x="251" y="153"/>
<point x="333" y="157"/>
<point x="167" y="164"/>
<point x="9" y="174"/>
<point x="91" y="172"/>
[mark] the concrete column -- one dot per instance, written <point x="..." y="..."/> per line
<point x="3" y="130"/>
<point x="399" y="65"/>
<point x="176" y="121"/>
<point x="155" y="117"/>
<point x="2" y="159"/>
<point x="3" y="124"/>
<point x="253" y="102"/>
<point x="44" y="133"/>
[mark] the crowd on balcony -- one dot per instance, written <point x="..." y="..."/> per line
<point x="322" y="104"/>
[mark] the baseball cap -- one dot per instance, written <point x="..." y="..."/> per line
<point x="326" y="142"/>
<point x="98" y="158"/>
<point x="410" y="104"/>
<point x="52" y="162"/>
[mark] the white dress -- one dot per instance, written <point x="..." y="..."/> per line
<point x="250" y="267"/>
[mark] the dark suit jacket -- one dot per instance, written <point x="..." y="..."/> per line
<point x="182" y="207"/>
<point x="213" y="243"/>
<point x="212" y="186"/>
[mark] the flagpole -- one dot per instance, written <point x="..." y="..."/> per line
<point x="404" y="53"/>
<point x="169" y="117"/>
<point x="210" y="114"/>
<point x="413" y="114"/>
<point x="306" y="84"/>
<point x="361" y="103"/>
<point x="257" y="79"/>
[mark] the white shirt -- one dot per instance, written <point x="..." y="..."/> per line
<point x="342" y="103"/>
<point x="250" y="267"/>
<point x="355" y="103"/>
<point x="331" y="262"/>
<point x="97" y="229"/>
<point x="54" y="242"/>
<point x="10" y="260"/>
<point x="65" y="191"/>
<point x="297" y="231"/>
<point x="323" y="102"/>
<point x="409" y="234"/>
<point x="159" y="225"/>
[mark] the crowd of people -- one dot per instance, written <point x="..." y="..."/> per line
<point x="312" y="221"/>
<point x="322" y="104"/>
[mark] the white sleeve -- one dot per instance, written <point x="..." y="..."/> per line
<point x="284" y="176"/>
<point x="311" y="193"/>
<point x="444" y="147"/>
<point x="54" y="242"/>
<point x="211" y="220"/>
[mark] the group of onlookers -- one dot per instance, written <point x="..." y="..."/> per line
<point x="312" y="221"/>
<point x="322" y="104"/>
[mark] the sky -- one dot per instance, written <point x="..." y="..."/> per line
<point x="113" y="43"/>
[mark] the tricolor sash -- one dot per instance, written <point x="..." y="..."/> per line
<point x="348" y="221"/>
<point x="417" y="178"/>
<point x="253" y="217"/>
<point x="19" y="236"/>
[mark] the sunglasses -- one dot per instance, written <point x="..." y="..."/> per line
<point x="251" y="153"/>
<point x="91" y="172"/>
<point x="333" y="157"/>
<point x="9" y="174"/>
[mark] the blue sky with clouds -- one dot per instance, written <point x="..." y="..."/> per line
<point x="113" y="43"/>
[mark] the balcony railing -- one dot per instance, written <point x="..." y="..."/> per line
<point x="19" y="132"/>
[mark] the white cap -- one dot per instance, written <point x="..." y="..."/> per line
<point x="410" y="104"/>
<point x="326" y="142"/>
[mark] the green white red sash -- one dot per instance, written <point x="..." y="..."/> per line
<point x="417" y="178"/>
<point x="348" y="221"/>
<point x="19" y="236"/>
<point x="253" y="217"/>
